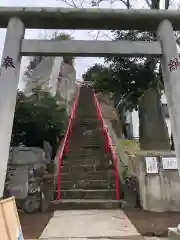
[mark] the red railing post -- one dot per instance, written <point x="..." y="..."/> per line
<point x="106" y="142"/>
<point x="108" y="145"/>
<point x="65" y="146"/>
<point x="116" y="177"/>
<point x="59" y="179"/>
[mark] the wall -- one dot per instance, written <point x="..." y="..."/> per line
<point x="66" y="86"/>
<point x="135" y="120"/>
<point x="159" y="192"/>
<point x="109" y="113"/>
<point x="55" y="76"/>
<point x="40" y="76"/>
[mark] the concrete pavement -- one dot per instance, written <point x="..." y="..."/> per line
<point x="91" y="224"/>
<point x="85" y="224"/>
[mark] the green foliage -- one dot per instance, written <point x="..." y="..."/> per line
<point x="126" y="77"/>
<point x="37" y="118"/>
<point x="100" y="76"/>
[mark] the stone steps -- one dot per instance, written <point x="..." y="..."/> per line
<point x="95" y="139"/>
<point x="84" y="145"/>
<point x="87" y="160"/>
<point x="87" y="145"/>
<point x="82" y="204"/>
<point x="95" y="160"/>
<point x="87" y="167"/>
<point x="88" y="194"/>
<point x="87" y="142"/>
<point x="88" y="184"/>
<point x="85" y="152"/>
<point x="98" y="175"/>
<point x="87" y="174"/>
<point x="93" y="129"/>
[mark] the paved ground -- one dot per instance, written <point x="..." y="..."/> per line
<point x="147" y="223"/>
<point x="152" y="224"/>
<point x="96" y="219"/>
<point x="146" y="238"/>
<point x="34" y="224"/>
<point x="94" y="224"/>
<point x="155" y="238"/>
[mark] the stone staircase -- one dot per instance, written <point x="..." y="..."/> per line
<point x="87" y="175"/>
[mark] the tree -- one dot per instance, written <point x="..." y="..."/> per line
<point x="125" y="78"/>
<point x="141" y="81"/>
<point x="38" y="118"/>
<point x="161" y="135"/>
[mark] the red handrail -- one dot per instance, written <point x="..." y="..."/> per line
<point x="65" y="143"/>
<point x="109" y="145"/>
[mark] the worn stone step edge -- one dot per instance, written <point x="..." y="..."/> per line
<point x="88" y="193"/>
<point x="90" y="151"/>
<point x="78" y="161"/>
<point x="69" y="204"/>
<point x="76" y="165"/>
<point x="106" y="172"/>
<point x="93" y="184"/>
<point x="86" y="166"/>
<point x="89" y="190"/>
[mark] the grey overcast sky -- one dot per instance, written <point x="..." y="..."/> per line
<point x="82" y="64"/>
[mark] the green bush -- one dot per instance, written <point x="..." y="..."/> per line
<point x="38" y="118"/>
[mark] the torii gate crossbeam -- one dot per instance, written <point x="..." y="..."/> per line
<point x="82" y="48"/>
<point x="89" y="18"/>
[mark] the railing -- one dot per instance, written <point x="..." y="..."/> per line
<point x="108" y="145"/>
<point x="65" y="144"/>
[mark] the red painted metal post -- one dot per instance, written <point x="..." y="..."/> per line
<point x="70" y="129"/>
<point x="115" y="159"/>
<point x="65" y="144"/>
<point x="59" y="179"/>
<point x="66" y="149"/>
<point x="108" y="145"/>
<point x="116" y="177"/>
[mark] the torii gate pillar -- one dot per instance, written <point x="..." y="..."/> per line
<point x="9" y="79"/>
<point x="170" y="64"/>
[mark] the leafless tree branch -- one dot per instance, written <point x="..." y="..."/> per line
<point x="105" y="35"/>
<point x="70" y="3"/>
<point x="148" y="3"/>
<point x="96" y="3"/>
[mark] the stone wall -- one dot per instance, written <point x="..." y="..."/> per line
<point x="66" y="86"/>
<point x="109" y="113"/>
<point x="55" y="76"/>
<point x="159" y="191"/>
<point x="40" y="76"/>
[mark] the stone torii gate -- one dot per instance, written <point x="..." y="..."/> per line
<point x="17" y="19"/>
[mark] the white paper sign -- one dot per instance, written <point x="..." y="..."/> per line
<point x="151" y="165"/>
<point x="169" y="163"/>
